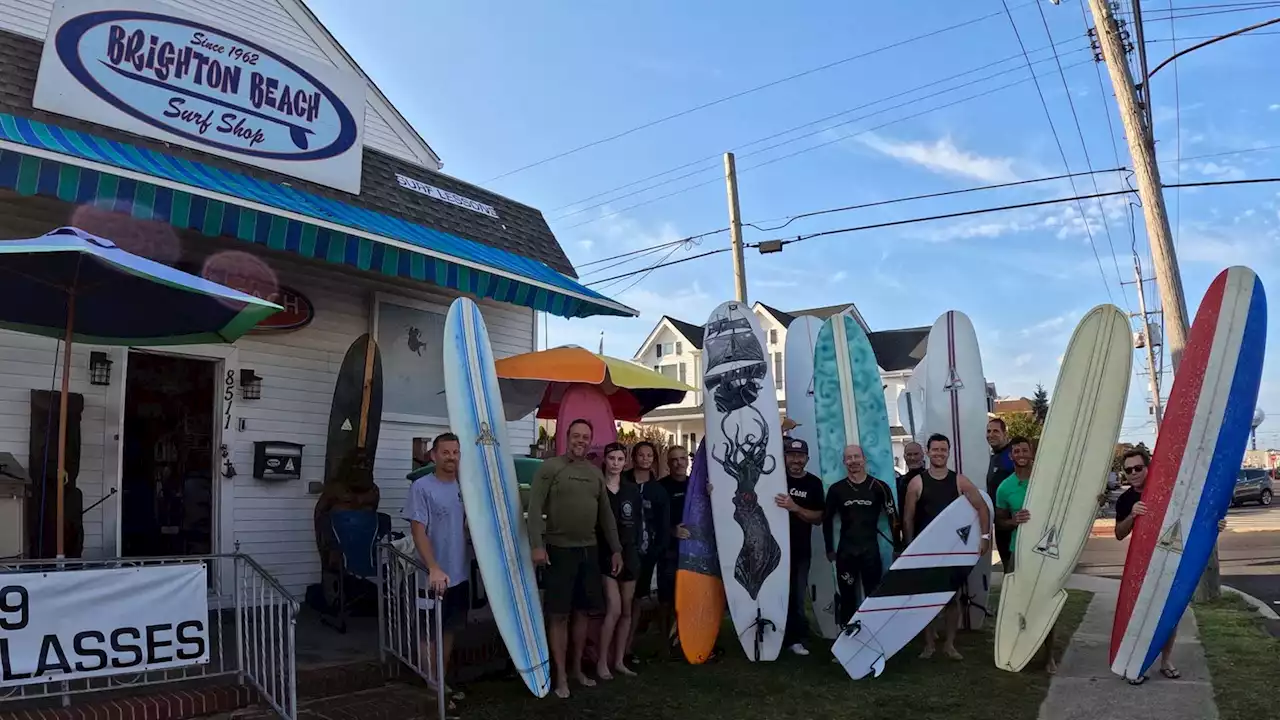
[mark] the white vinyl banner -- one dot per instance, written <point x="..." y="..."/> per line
<point x="86" y="623"/>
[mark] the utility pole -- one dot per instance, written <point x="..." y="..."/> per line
<point x="1151" y="191"/>
<point x="1150" y="188"/>
<point x="1152" y="369"/>
<point x="735" y="228"/>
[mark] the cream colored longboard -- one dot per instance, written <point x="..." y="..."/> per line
<point x="1075" y="452"/>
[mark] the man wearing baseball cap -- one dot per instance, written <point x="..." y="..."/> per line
<point x="804" y="501"/>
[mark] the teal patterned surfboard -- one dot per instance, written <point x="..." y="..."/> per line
<point x="849" y="400"/>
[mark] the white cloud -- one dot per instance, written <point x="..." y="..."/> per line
<point x="942" y="156"/>
<point x="839" y="276"/>
<point x="1023" y="360"/>
<point x="1273" y="107"/>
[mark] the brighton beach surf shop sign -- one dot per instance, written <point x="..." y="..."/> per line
<point x="148" y="70"/>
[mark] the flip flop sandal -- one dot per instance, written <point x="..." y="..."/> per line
<point x="1170" y="673"/>
<point x="1139" y="681"/>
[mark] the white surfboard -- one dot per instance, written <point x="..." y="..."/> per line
<point x="956" y="406"/>
<point x="911" y="403"/>
<point x="745" y="468"/>
<point x="1074" y="455"/>
<point x="918" y="585"/>
<point x="802" y="336"/>
<point x="491" y="493"/>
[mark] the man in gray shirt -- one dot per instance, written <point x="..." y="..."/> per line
<point x="438" y="523"/>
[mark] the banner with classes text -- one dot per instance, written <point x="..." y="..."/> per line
<point x="72" y="624"/>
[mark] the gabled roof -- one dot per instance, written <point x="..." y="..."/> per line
<point x="783" y="317"/>
<point x="899" y="349"/>
<point x="821" y="313"/>
<point x="691" y="332"/>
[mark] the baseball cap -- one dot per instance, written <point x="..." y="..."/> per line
<point x="795" y="445"/>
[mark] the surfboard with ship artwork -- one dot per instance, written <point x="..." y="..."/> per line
<point x="745" y="468"/>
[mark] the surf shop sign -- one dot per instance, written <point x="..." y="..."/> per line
<point x="145" y="69"/>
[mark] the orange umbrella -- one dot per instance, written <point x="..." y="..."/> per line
<point x="539" y="379"/>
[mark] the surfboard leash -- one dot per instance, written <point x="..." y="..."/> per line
<point x="760" y="624"/>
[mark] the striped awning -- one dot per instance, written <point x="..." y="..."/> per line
<point x="41" y="159"/>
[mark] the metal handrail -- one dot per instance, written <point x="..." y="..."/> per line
<point x="389" y="625"/>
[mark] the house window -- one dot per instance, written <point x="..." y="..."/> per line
<point x="773" y="336"/>
<point x="679" y="348"/>
<point x="671" y="371"/>
<point x="683" y="373"/>
<point x="777" y="370"/>
<point x="693" y="442"/>
<point x="657" y="349"/>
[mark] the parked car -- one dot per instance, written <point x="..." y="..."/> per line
<point x="1252" y="485"/>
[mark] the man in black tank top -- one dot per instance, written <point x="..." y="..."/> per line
<point x="928" y="494"/>
<point x="858" y="502"/>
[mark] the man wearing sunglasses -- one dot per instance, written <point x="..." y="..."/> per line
<point x="1129" y="507"/>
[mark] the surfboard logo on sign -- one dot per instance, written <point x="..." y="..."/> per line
<point x="205" y="85"/>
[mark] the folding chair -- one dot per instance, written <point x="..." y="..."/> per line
<point x="357" y="534"/>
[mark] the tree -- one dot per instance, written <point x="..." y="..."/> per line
<point x="1021" y="424"/>
<point x="1121" y="449"/>
<point x="653" y="434"/>
<point x="1040" y="404"/>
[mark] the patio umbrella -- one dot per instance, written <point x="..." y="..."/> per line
<point x="539" y="379"/>
<point x="73" y="285"/>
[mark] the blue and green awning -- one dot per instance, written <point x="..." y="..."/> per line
<point x="41" y="159"/>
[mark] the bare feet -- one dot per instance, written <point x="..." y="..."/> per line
<point x="584" y="680"/>
<point x="1051" y="667"/>
<point x="562" y="692"/>
<point x="622" y="669"/>
<point x="927" y="653"/>
<point x="602" y="672"/>
<point x="951" y="653"/>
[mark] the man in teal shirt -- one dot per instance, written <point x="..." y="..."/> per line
<point x="1010" y="498"/>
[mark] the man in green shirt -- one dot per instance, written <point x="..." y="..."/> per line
<point x="569" y="491"/>
<point x="1010" y="498"/>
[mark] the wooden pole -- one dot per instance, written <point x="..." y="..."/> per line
<point x="60" y="525"/>
<point x="735" y="228"/>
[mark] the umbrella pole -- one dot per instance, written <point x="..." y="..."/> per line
<point x="62" y="422"/>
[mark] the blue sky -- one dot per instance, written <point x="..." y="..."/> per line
<point x="495" y="86"/>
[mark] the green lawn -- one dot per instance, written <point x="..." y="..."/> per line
<point x="795" y="687"/>
<point x="1243" y="658"/>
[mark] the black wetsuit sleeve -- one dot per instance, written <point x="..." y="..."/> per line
<point x="1125" y="503"/>
<point x="829" y="518"/>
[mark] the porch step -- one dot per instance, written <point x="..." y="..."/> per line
<point x="163" y="704"/>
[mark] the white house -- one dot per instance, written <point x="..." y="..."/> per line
<point x="674" y="348"/>
<point x="347" y="220"/>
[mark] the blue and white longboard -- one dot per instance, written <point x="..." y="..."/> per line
<point x="491" y="493"/>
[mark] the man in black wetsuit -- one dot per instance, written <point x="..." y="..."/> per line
<point x="858" y="502"/>
<point x="803" y="501"/>
<point x="928" y="494"/>
<point x="1001" y="467"/>
<point x="676" y="484"/>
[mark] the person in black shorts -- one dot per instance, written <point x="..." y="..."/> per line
<point x="1129" y="508"/>
<point x="804" y="504"/>
<point x="619" y="589"/>
<point x="654" y="526"/>
<point x="568" y="508"/>
<point x="928" y="494"/>
<point x="858" y="502"/>
<point x="676" y="486"/>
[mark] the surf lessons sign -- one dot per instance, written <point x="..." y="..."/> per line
<point x="76" y="624"/>
<point x="142" y="67"/>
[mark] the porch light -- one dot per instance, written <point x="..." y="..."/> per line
<point x="99" y="368"/>
<point x="250" y="385"/>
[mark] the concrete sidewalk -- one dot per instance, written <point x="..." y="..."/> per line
<point x="1086" y="689"/>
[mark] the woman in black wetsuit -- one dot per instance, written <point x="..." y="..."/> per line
<point x="619" y="590"/>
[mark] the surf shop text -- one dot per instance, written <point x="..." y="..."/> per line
<point x="218" y="67"/>
<point x="90" y="650"/>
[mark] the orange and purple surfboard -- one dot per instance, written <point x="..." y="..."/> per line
<point x="700" y="601"/>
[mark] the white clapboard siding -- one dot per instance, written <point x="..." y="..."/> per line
<point x="272" y="520"/>
<point x="261" y="19"/>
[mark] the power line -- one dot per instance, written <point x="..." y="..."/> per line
<point x="737" y="149"/>
<point x="788" y="156"/>
<point x="1211" y="37"/>
<point x="927" y="196"/>
<point x="748" y="91"/>
<point x="931" y="218"/>
<point x="681" y="241"/>
<point x="1058" y="141"/>
<point x="1177" y="129"/>
<point x="797" y="138"/>
<point x="640" y="279"/>
<point x="1088" y="162"/>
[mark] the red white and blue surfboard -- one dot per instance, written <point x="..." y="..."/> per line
<point x="1193" y="470"/>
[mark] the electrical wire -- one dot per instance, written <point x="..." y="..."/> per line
<point x="797" y="128"/>
<point x="801" y="151"/>
<point x="774" y="146"/>
<point x="749" y="91"/>
<point x="1084" y="218"/>
<point x="681" y="241"/>
<point x="1177" y="114"/>
<point x="1088" y="161"/>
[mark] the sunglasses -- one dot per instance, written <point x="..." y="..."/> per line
<point x="1135" y="469"/>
